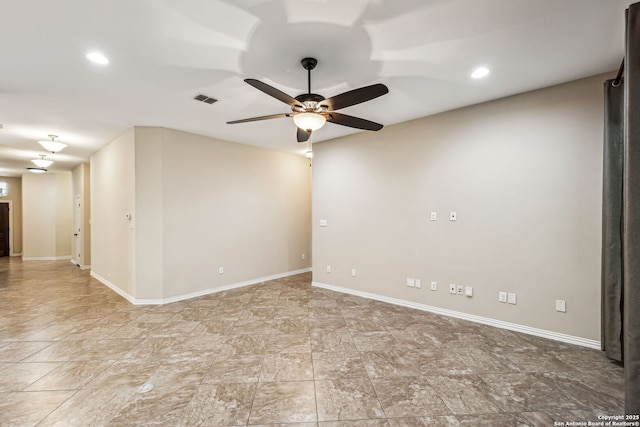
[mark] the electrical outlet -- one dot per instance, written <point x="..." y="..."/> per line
<point x="452" y="288"/>
<point x="353" y="272"/>
<point x="328" y="269"/>
<point x="459" y="289"/>
<point x="511" y="298"/>
<point x="221" y="270"/>
<point x="453" y="216"/>
<point x="434" y="286"/>
<point x="434" y="216"/>
<point x="502" y="296"/>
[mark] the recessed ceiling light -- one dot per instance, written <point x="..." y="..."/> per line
<point x="98" y="58"/>
<point x="480" y="72"/>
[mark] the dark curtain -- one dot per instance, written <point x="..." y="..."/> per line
<point x="621" y="216"/>
<point x="631" y="213"/>
<point x="612" y="285"/>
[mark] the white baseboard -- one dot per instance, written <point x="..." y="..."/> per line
<point x="570" y="339"/>
<point x="45" y="258"/>
<point x="160" y="301"/>
<point x="113" y="287"/>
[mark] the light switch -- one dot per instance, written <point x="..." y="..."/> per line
<point x="411" y="282"/>
<point x="418" y="284"/>
<point x="468" y="291"/>
<point x="511" y="298"/>
<point x="561" y="306"/>
<point x="353" y="272"/>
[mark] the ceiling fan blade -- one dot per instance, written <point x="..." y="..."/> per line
<point x="303" y="135"/>
<point x="353" y="122"/>
<point x="255" y="119"/>
<point x="272" y="91"/>
<point x="355" y="96"/>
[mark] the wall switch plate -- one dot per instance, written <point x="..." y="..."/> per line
<point x="561" y="306"/>
<point x="221" y="270"/>
<point x="434" y="286"/>
<point x="459" y="289"/>
<point x="323" y="223"/>
<point x="502" y="296"/>
<point x="418" y="284"/>
<point x="468" y="291"/>
<point x="453" y="216"/>
<point x="511" y="298"/>
<point x="452" y="288"/>
<point x="328" y="269"/>
<point x="353" y="272"/>
<point x="434" y="216"/>
<point x="411" y="282"/>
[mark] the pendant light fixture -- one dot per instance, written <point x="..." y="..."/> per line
<point x="41" y="162"/>
<point x="53" y="146"/>
<point x="37" y="170"/>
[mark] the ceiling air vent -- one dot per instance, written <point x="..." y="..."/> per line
<point x="204" y="98"/>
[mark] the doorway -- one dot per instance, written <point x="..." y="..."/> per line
<point x="5" y="228"/>
<point x="77" y="221"/>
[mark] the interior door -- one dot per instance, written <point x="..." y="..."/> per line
<point x="4" y="229"/>
<point x="77" y="244"/>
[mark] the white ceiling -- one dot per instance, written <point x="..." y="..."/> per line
<point x="164" y="52"/>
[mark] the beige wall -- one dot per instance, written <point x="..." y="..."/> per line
<point x="524" y="176"/>
<point x="199" y="204"/>
<point x="15" y="196"/>
<point x="228" y="205"/>
<point x="112" y="185"/>
<point x="46" y="215"/>
<point x="81" y="187"/>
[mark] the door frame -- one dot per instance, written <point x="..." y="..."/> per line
<point x="10" y="202"/>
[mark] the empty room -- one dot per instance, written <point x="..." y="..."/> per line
<point x="320" y="213"/>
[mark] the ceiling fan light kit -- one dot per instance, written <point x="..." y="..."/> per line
<point x="309" y="121"/>
<point x="310" y="111"/>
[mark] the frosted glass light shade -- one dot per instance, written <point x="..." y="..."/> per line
<point x="52" y="146"/>
<point x="37" y="170"/>
<point x="309" y="121"/>
<point x="42" y="162"/>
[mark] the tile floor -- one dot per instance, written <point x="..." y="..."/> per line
<point x="73" y="353"/>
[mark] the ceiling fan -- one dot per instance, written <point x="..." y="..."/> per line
<point x="310" y="111"/>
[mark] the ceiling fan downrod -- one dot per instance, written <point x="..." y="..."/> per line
<point x="309" y="64"/>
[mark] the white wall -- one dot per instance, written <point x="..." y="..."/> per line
<point x="112" y="184"/>
<point x="47" y="216"/>
<point x="524" y="176"/>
